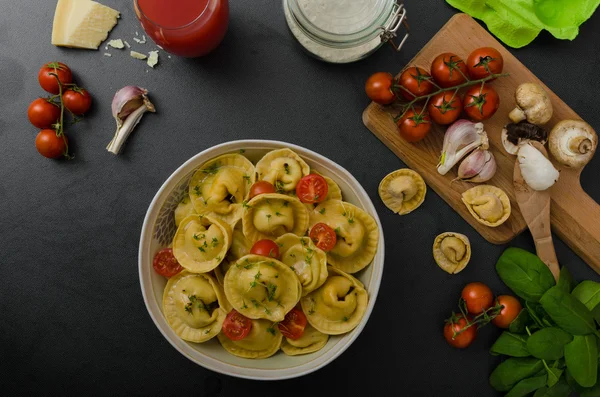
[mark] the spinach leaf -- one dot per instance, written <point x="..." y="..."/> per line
<point x="593" y="391"/>
<point x="524" y="273"/>
<point x="588" y="293"/>
<point x="554" y="375"/>
<point x="561" y="389"/>
<point x="513" y="370"/>
<point x="518" y="324"/>
<point x="548" y="343"/>
<point x="535" y="309"/>
<point x="510" y="344"/>
<point x="565" y="280"/>
<point x="567" y="312"/>
<point x="527" y="386"/>
<point x="581" y="356"/>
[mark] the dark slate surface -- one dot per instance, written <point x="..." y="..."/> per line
<point x="72" y="317"/>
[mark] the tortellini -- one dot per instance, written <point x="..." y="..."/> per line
<point x="184" y="209"/>
<point x="305" y="259"/>
<point x="488" y="204"/>
<point x="221" y="185"/>
<point x="201" y="243"/>
<point x="283" y="169"/>
<point x="402" y="191"/>
<point x="310" y="342"/>
<point x="338" y="305"/>
<point x="194" y="306"/>
<point x="262" y="287"/>
<point x="357" y="234"/>
<point x="273" y="215"/>
<point x="263" y="340"/>
<point x="452" y="251"/>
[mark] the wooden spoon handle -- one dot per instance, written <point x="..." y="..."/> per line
<point x="545" y="251"/>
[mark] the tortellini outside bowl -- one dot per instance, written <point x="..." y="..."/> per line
<point x="159" y="228"/>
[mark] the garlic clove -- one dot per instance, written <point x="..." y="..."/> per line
<point x="479" y="166"/>
<point x="573" y="143"/>
<point x="538" y="172"/>
<point x="461" y="138"/>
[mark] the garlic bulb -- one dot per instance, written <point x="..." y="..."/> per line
<point x="479" y="166"/>
<point x="538" y="172"/>
<point x="461" y="138"/>
<point x="573" y="143"/>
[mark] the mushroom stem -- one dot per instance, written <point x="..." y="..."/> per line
<point x="516" y="115"/>
<point x="580" y="144"/>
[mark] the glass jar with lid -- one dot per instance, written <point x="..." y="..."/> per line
<point x="342" y="31"/>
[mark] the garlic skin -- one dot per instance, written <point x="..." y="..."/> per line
<point x="479" y="166"/>
<point x="573" y="143"/>
<point x="538" y="172"/>
<point x="461" y="138"/>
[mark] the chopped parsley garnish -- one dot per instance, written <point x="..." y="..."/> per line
<point x="286" y="168"/>
<point x="277" y="213"/>
<point x="245" y="306"/>
<point x="245" y="204"/>
<point x="285" y="203"/>
<point x="247" y="178"/>
<point x="351" y="220"/>
<point x="322" y="211"/>
<point x="242" y="151"/>
<point x="213" y="168"/>
<point x="271" y="330"/>
<point x="268" y="216"/>
<point x="256" y="278"/>
<point x="195" y="302"/>
<point x="201" y="249"/>
<point x="215" y="242"/>
<point x="279" y="187"/>
<point x="271" y="288"/>
<point x="345" y="318"/>
<point x="197" y="191"/>
<point x="337" y="230"/>
<point x="218" y="258"/>
<point x="206" y="332"/>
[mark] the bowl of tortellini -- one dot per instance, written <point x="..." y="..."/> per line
<point x="235" y="309"/>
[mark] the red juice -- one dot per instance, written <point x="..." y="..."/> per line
<point x="190" y="28"/>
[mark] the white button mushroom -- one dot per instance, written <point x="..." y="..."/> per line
<point x="533" y="105"/>
<point x="573" y="143"/>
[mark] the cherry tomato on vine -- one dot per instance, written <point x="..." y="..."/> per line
<point x="445" y="107"/>
<point x="323" y="236"/>
<point x="414" y="125"/>
<point x="465" y="338"/>
<point x="265" y="247"/>
<point x="43" y="114"/>
<point x="293" y="324"/>
<point x="48" y="81"/>
<point x="77" y="101"/>
<point x="510" y="311"/>
<point x="49" y="145"/>
<point x="312" y="188"/>
<point x="261" y="187"/>
<point x="417" y="81"/>
<point x="484" y="61"/>
<point x="481" y="102"/>
<point x="165" y="263"/>
<point x="448" y="70"/>
<point x="236" y="326"/>
<point x="379" y="88"/>
<point x="478" y="297"/>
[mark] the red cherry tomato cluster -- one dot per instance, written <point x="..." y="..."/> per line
<point x="433" y="96"/>
<point x="48" y="114"/>
<point x="478" y="308"/>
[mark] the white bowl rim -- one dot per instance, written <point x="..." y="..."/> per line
<point x="248" y="373"/>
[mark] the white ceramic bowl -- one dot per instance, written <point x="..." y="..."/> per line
<point x="159" y="229"/>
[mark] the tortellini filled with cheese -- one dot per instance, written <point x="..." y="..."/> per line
<point x="221" y="185"/>
<point x="201" y="243"/>
<point x="488" y="204"/>
<point x="262" y="287"/>
<point x="194" y="306"/>
<point x="240" y="246"/>
<point x="338" y="305"/>
<point x="263" y="340"/>
<point x="268" y="216"/>
<point x="310" y="342"/>
<point x="357" y="234"/>
<point x="184" y="209"/>
<point x="305" y="259"/>
<point x="283" y="169"/>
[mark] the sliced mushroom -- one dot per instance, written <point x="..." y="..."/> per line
<point x="573" y="143"/>
<point x="402" y="191"/>
<point x="514" y="134"/>
<point x="533" y="105"/>
<point x="452" y="251"/>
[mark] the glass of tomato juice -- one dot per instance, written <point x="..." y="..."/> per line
<point x="189" y="28"/>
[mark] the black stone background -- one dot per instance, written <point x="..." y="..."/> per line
<point x="72" y="319"/>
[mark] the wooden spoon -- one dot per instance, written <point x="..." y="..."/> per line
<point x="535" y="207"/>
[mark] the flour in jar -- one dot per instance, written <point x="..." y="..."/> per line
<point x="340" y="16"/>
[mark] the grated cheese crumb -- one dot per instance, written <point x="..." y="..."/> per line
<point x="118" y="43"/>
<point x="137" y="55"/>
<point x="106" y="54"/>
<point x="152" y="58"/>
<point x="127" y="44"/>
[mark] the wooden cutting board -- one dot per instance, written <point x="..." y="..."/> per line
<point x="575" y="216"/>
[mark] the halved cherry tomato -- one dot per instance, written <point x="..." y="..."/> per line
<point x="445" y="107"/>
<point x="77" y="101"/>
<point x="481" y="102"/>
<point x="43" y="114"/>
<point x="379" y="88"/>
<point x="312" y="189"/>
<point x="448" y="70"/>
<point x="236" y="326"/>
<point x="465" y="338"/>
<point x="414" y="125"/>
<point x="48" y="81"/>
<point x="323" y="236"/>
<point x="417" y="81"/>
<point x="478" y="297"/>
<point x="512" y="308"/>
<point x="293" y="324"/>
<point x="261" y="187"/>
<point x="165" y="263"/>
<point x="51" y="146"/>
<point x="265" y="248"/>
<point x="484" y="61"/>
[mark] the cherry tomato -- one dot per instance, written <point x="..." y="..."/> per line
<point x="445" y="107"/>
<point x="417" y="81"/>
<point x="448" y="70"/>
<point x="312" y="189"/>
<point x="48" y="81"/>
<point x="414" y="125"/>
<point x="293" y="324"/>
<point x="165" y="263"/>
<point x="265" y="248"/>
<point x="43" y="114"/>
<point x="379" y="88"/>
<point x="261" y="187"/>
<point x="236" y="326"/>
<point x="478" y="297"/>
<point x="484" y="61"/>
<point x="51" y="146"/>
<point x="77" y="101"/>
<point x="481" y="102"/>
<point x="512" y="308"/>
<point x="462" y="340"/>
<point x="323" y="236"/>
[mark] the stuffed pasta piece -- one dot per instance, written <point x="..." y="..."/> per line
<point x="240" y="246"/>
<point x="263" y="340"/>
<point x="268" y="216"/>
<point x="310" y="342"/>
<point x="283" y="168"/>
<point x="184" y="209"/>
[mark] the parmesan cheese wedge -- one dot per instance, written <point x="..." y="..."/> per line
<point x="82" y="23"/>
